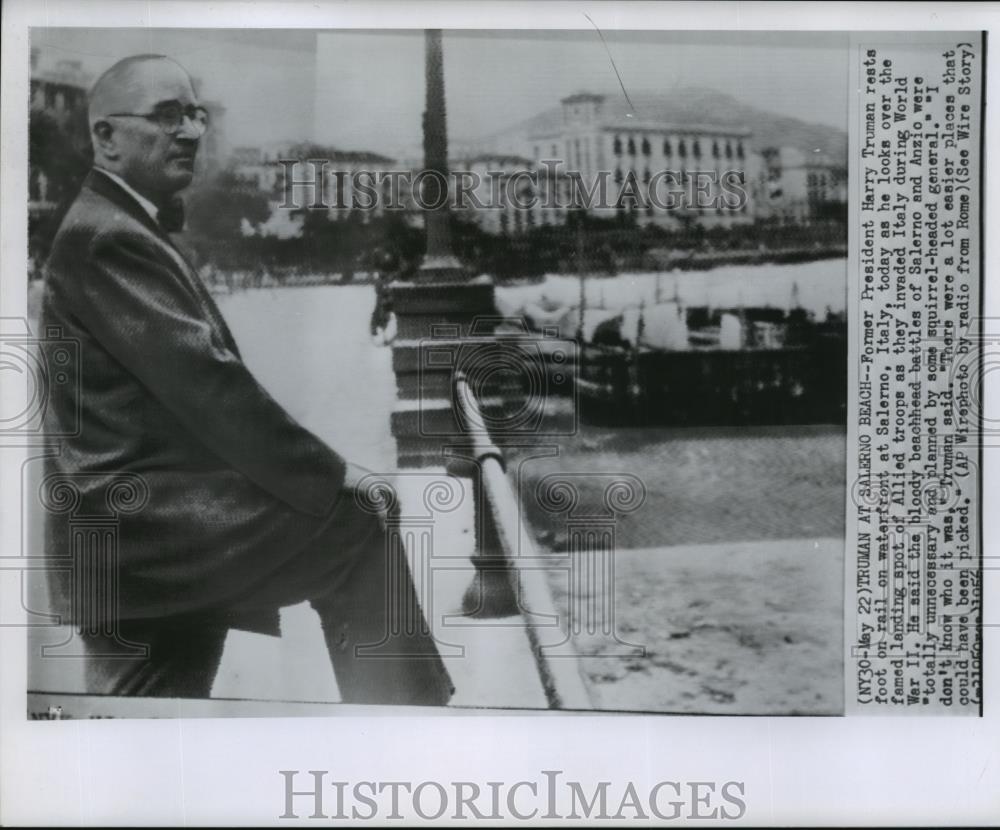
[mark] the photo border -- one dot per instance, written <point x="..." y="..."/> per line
<point x="796" y="769"/>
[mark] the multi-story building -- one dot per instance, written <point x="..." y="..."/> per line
<point x="291" y="188"/>
<point x="58" y="122"/>
<point x="60" y="90"/>
<point x="511" y="194"/>
<point x="799" y="187"/>
<point x="594" y="139"/>
<point x="256" y="168"/>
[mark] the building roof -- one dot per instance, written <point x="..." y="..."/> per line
<point x="792" y="158"/>
<point x="305" y="151"/>
<point x="679" y="111"/>
<point x="505" y="159"/>
<point x="65" y="72"/>
<point x="581" y="97"/>
<point x="686" y="108"/>
<point x="820" y="159"/>
<point x="356" y="156"/>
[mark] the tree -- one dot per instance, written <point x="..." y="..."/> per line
<point x="217" y="210"/>
<point x="62" y="153"/>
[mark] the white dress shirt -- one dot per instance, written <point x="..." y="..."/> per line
<point x="147" y="205"/>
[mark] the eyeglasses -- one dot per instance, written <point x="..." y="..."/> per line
<point x="170" y="117"/>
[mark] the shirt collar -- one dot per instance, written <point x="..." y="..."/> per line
<point x="144" y="203"/>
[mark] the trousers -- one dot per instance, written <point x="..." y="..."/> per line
<point x="357" y="578"/>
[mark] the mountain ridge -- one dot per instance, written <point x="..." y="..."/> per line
<point x="695" y="105"/>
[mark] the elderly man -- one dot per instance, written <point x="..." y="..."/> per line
<point x="230" y="509"/>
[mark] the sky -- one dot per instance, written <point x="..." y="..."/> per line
<point x="364" y="90"/>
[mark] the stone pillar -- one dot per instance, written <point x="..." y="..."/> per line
<point x="439" y="262"/>
<point x="438" y="309"/>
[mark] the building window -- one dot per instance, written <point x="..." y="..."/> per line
<point x="715" y="149"/>
<point x="619" y="178"/>
<point x="618" y="145"/>
<point x="645" y="176"/>
<point x="729" y="150"/>
<point x="682" y="149"/>
<point x="666" y="148"/>
<point x="739" y="150"/>
<point x="631" y="146"/>
<point x="646" y="150"/>
<point x="696" y="149"/>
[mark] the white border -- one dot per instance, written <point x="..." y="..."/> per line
<point x="797" y="770"/>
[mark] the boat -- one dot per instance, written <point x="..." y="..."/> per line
<point x="736" y="366"/>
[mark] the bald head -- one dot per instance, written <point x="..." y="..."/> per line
<point x="128" y="139"/>
<point x="134" y="84"/>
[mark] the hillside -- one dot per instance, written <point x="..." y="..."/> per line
<point x="694" y="105"/>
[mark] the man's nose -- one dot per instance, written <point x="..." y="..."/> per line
<point x="189" y="130"/>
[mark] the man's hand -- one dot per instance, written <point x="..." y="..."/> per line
<point x="354" y="474"/>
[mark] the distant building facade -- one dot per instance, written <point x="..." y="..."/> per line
<point x="59" y="121"/>
<point x="799" y="188"/>
<point x="59" y="146"/>
<point x="591" y="137"/>
<point x="292" y="188"/>
<point x="518" y="193"/>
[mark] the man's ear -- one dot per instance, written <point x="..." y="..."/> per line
<point x="103" y="135"/>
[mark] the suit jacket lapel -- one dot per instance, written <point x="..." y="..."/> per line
<point x="207" y="301"/>
<point x="107" y="188"/>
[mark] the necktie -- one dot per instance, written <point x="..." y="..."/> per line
<point x="171" y="215"/>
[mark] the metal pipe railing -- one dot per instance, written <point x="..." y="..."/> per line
<point x="559" y="676"/>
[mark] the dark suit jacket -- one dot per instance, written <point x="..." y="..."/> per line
<point x="230" y="486"/>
